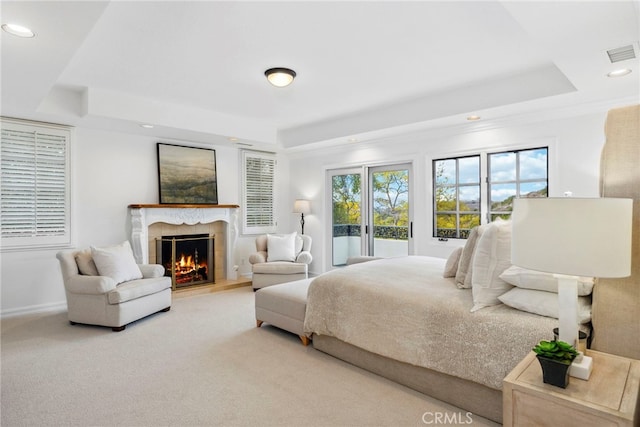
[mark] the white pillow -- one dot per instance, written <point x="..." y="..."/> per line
<point x="492" y="257"/>
<point x="281" y="247"/>
<point x="543" y="303"/>
<point x="116" y="262"/>
<point x="538" y="280"/>
<point x="451" y="267"/>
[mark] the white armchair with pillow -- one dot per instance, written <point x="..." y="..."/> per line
<point x="105" y="286"/>
<point x="280" y="258"/>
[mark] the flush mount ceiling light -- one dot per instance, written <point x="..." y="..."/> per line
<point x="619" y="73"/>
<point x="18" y="30"/>
<point x="146" y="126"/>
<point x="280" y="77"/>
<point x="473" y="118"/>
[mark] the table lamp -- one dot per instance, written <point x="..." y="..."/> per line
<point x="302" y="207"/>
<point x="572" y="237"/>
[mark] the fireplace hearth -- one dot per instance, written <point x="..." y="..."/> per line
<point x="187" y="259"/>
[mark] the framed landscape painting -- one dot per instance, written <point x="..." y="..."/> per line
<point x="187" y="175"/>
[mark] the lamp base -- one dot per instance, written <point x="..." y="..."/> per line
<point x="581" y="367"/>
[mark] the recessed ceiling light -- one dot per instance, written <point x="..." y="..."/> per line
<point x="233" y="139"/>
<point x="473" y="118"/>
<point x="352" y="140"/>
<point x="18" y="30"/>
<point x="146" y="126"/>
<point x="619" y="73"/>
<point x="280" y="77"/>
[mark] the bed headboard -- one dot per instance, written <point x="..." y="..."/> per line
<point x="616" y="302"/>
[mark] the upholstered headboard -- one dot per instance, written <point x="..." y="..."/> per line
<point x="616" y="302"/>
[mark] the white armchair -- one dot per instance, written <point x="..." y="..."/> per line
<point x="111" y="301"/>
<point x="280" y="258"/>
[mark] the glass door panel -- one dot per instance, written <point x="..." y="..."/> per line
<point x="346" y="225"/>
<point x="389" y="211"/>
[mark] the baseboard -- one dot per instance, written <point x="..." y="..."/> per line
<point x="34" y="309"/>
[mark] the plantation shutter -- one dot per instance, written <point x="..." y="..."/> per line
<point x="34" y="203"/>
<point x="259" y="182"/>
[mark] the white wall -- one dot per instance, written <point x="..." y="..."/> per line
<point x="112" y="170"/>
<point x="575" y="146"/>
<point x="109" y="172"/>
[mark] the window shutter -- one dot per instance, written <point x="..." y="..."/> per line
<point x="258" y="198"/>
<point x="35" y="192"/>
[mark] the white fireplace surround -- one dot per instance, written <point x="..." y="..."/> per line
<point x="142" y="216"/>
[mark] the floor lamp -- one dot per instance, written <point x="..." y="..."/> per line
<point x="302" y="207"/>
<point x="572" y="237"/>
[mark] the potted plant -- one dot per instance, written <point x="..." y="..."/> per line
<point x="555" y="357"/>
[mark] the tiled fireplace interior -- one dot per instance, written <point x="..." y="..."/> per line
<point x="160" y="229"/>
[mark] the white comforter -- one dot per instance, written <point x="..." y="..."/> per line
<point x="403" y="308"/>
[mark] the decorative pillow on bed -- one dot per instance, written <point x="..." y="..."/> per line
<point x="463" y="274"/>
<point x="451" y="267"/>
<point x="281" y="247"/>
<point x="543" y="303"/>
<point x="531" y="279"/>
<point x="116" y="262"/>
<point x="492" y="257"/>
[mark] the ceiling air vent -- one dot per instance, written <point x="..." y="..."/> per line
<point x="621" y="53"/>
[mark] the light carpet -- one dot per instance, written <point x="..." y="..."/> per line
<point x="204" y="363"/>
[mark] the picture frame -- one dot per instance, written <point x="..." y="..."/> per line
<point x="187" y="175"/>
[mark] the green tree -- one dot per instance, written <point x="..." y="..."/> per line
<point x="346" y="199"/>
<point x="391" y="192"/>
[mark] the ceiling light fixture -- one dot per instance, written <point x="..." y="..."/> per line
<point x="619" y="73"/>
<point x="146" y="126"/>
<point x="473" y="118"/>
<point x="280" y="77"/>
<point x="18" y="30"/>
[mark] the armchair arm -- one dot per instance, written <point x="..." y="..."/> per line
<point x="304" y="257"/>
<point x="258" y="257"/>
<point x="93" y="285"/>
<point x="151" y="270"/>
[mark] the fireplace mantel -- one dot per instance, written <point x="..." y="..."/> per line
<point x="143" y="215"/>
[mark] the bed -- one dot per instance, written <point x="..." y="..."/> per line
<point x="400" y="318"/>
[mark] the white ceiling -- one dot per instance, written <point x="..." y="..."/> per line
<point x="195" y="69"/>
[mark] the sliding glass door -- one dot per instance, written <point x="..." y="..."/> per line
<point x="389" y="211"/>
<point x="370" y="212"/>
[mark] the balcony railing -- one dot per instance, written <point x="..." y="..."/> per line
<point x="391" y="232"/>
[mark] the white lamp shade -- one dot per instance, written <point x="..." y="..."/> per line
<point x="302" y="206"/>
<point x="573" y="236"/>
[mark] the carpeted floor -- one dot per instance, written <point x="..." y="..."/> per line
<point x="204" y="363"/>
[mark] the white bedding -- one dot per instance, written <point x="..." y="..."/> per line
<point x="403" y="308"/>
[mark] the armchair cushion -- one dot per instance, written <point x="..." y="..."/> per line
<point x="281" y="247"/>
<point x="116" y="262"/>
<point x="134" y="289"/>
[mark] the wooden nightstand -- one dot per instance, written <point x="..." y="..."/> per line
<point x="608" y="398"/>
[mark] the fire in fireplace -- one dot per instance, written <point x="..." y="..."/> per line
<point x="187" y="259"/>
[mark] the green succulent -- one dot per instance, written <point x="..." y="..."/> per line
<point x="556" y="350"/>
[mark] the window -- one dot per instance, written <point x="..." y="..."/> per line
<point x="458" y="205"/>
<point x="456" y="196"/>
<point x="35" y="201"/>
<point x="258" y="175"/>
<point x="512" y="174"/>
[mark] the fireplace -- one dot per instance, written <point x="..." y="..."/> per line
<point x="188" y="259"/>
<point x="149" y="222"/>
